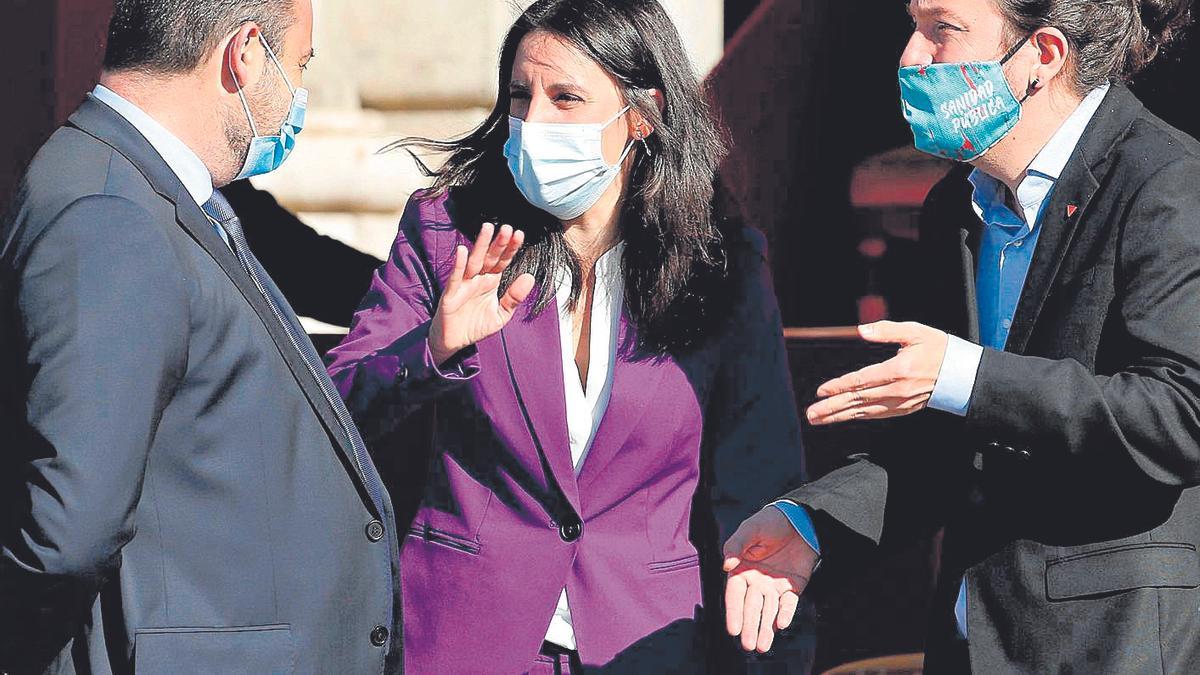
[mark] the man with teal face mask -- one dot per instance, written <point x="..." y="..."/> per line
<point x="1051" y="393"/>
<point x="181" y="487"/>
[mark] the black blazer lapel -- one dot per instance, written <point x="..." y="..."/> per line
<point x="949" y="245"/>
<point x="969" y="254"/>
<point x="1068" y="207"/>
<point x="101" y="122"/>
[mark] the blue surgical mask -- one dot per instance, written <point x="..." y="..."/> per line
<point x="960" y="111"/>
<point x="560" y="168"/>
<point x="268" y="153"/>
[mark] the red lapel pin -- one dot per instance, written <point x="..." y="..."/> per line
<point x="1071" y="209"/>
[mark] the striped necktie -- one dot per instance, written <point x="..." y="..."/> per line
<point x="219" y="209"/>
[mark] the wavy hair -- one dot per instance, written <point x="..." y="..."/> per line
<point x="672" y="241"/>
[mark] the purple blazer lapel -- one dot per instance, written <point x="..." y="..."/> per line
<point x="533" y="347"/>
<point x="635" y="385"/>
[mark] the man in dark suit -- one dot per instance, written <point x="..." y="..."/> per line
<point x="1061" y="448"/>
<point x="182" y="489"/>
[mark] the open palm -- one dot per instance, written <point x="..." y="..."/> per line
<point x="472" y="307"/>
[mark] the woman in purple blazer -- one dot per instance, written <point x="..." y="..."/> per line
<point x="603" y="391"/>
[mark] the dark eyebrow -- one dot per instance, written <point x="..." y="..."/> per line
<point x="569" y="88"/>
<point x="938" y="12"/>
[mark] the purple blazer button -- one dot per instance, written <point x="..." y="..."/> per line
<point x="571" y="530"/>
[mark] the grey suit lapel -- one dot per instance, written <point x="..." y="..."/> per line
<point x="101" y="122"/>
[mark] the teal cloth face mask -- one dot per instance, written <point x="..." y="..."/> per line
<point x="960" y="111"/>
<point x="268" y="153"/>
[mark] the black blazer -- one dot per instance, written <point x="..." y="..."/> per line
<point x="175" y="493"/>
<point x="1067" y="492"/>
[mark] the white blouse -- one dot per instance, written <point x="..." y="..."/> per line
<point x="585" y="408"/>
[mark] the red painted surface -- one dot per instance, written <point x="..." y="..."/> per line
<point x="872" y="308"/>
<point x="897" y="178"/>
<point x="53" y="51"/>
<point x="81" y="27"/>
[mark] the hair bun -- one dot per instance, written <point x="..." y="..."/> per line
<point x="1162" y="22"/>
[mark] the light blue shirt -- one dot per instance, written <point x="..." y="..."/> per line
<point x="1006" y="251"/>
<point x="185" y="164"/>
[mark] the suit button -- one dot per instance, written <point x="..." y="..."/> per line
<point x="375" y="530"/>
<point x="379" y="636"/>
<point x="402" y="374"/>
<point x="571" y="530"/>
<point x="1024" y="454"/>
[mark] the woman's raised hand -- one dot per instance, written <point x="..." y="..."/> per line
<point x="472" y="307"/>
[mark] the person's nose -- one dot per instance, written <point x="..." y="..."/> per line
<point x="540" y="108"/>
<point x="918" y="52"/>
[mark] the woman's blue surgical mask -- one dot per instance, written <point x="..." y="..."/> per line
<point x="960" y="110"/>
<point x="268" y="153"/>
<point x="560" y="168"/>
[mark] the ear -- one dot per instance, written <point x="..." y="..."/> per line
<point x="639" y="124"/>
<point x="1054" y="53"/>
<point x="243" y="58"/>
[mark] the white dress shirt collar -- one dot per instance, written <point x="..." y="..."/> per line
<point x="1043" y="173"/>
<point x="186" y="165"/>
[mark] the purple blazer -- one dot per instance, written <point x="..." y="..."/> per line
<point x="504" y="523"/>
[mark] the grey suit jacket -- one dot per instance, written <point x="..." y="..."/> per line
<point x="1069" y="493"/>
<point x="176" y="494"/>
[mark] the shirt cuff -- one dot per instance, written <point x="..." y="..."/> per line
<point x="956" y="381"/>
<point x="462" y="366"/>
<point x="798" y="516"/>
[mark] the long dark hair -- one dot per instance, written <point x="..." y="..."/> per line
<point x="667" y="223"/>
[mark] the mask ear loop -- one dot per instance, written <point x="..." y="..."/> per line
<point x="278" y="65"/>
<point x="1008" y="57"/>
<point x="1016" y="48"/>
<point x="242" y="96"/>
<point x="616" y="117"/>
<point x="628" y="146"/>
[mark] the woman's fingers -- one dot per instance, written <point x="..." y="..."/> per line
<point x="496" y="250"/>
<point x="520" y="289"/>
<point x="479" y="251"/>
<point x="460" y="267"/>
<point x="787" y="610"/>
<point x="493" y="251"/>
<point x="514" y="245"/>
